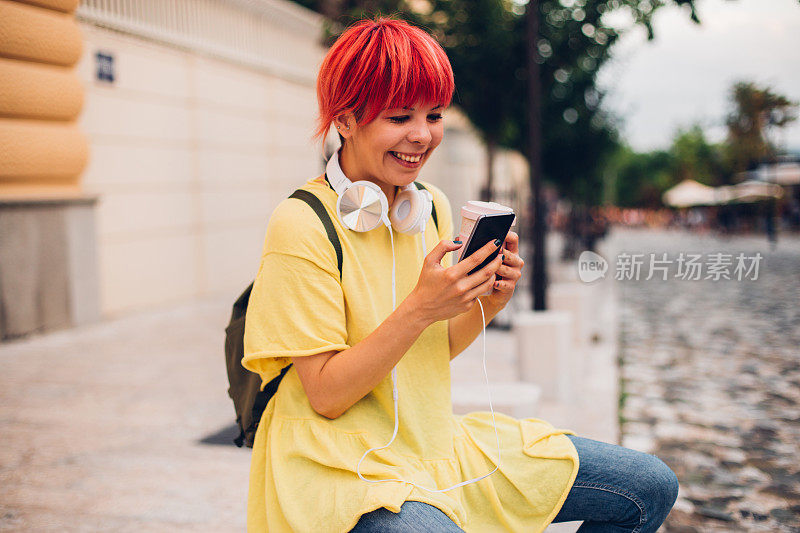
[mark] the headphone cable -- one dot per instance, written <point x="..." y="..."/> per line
<point x="395" y="397"/>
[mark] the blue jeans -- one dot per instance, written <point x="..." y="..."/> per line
<point x="617" y="490"/>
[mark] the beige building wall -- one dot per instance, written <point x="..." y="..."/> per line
<point x="190" y="154"/>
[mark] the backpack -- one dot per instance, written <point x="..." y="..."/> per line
<point x="249" y="399"/>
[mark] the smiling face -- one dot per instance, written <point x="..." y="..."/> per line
<point x="390" y="150"/>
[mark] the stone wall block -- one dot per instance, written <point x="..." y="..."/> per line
<point x="544" y="349"/>
<point x="82" y="269"/>
<point x="572" y="297"/>
<point x="65" y="6"/>
<point x="48" y="271"/>
<point x="53" y="284"/>
<point x="19" y="250"/>
<point x="39" y="91"/>
<point x="37" y="34"/>
<point x="50" y="152"/>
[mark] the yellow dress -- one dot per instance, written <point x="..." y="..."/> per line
<point x="303" y="468"/>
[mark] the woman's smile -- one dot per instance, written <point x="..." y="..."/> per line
<point x="408" y="160"/>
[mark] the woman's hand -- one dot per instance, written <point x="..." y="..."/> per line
<point x="442" y="293"/>
<point x="510" y="272"/>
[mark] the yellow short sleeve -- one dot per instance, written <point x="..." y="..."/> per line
<point x="297" y="306"/>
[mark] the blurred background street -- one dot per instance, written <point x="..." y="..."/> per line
<point x="711" y="383"/>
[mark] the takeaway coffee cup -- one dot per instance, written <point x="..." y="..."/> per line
<point x="474" y="209"/>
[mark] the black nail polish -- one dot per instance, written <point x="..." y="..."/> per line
<point x="456" y="242"/>
<point x="498" y="242"/>
<point x="504" y="258"/>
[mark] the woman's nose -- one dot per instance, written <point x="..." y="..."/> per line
<point x="420" y="133"/>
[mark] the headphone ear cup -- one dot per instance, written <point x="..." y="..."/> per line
<point x="362" y="206"/>
<point x="410" y="210"/>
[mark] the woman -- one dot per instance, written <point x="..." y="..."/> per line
<point x="320" y="459"/>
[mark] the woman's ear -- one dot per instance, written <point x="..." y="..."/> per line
<point x="344" y="125"/>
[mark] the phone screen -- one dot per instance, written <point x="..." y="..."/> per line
<point x="488" y="228"/>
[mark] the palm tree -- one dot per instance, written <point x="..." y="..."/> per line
<point x="757" y="112"/>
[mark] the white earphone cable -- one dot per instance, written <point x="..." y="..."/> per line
<point x="395" y="397"/>
<point x="422" y="239"/>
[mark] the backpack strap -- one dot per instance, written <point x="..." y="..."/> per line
<point x="236" y="330"/>
<point x="319" y="209"/>
<point x="433" y="204"/>
<point x="259" y="404"/>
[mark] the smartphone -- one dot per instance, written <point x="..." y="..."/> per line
<point x="488" y="227"/>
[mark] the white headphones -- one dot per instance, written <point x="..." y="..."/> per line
<point x="362" y="206"/>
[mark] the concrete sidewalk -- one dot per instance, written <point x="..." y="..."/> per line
<point x="102" y="425"/>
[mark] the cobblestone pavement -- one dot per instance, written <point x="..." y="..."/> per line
<point x="711" y="381"/>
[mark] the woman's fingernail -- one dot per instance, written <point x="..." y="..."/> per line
<point x="456" y="242"/>
<point x="498" y="242"/>
<point x="504" y="257"/>
<point x="496" y="284"/>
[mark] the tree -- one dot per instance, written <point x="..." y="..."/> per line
<point x="641" y="178"/>
<point x="489" y="48"/>
<point x="693" y="157"/>
<point x="756" y="113"/>
<point x="576" y="30"/>
<point x="480" y="40"/>
<point x="578" y="135"/>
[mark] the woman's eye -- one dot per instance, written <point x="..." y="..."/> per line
<point x="399" y="120"/>
<point x="435" y="117"/>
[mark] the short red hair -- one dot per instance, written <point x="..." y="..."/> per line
<point x="377" y="65"/>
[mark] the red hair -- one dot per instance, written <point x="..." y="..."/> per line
<point x="377" y="65"/>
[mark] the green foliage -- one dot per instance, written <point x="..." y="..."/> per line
<point x="481" y="40"/>
<point x="487" y="44"/>
<point x="756" y="112"/>
<point x="641" y="178"/>
<point x="577" y="135"/>
<point x="695" y="158"/>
